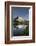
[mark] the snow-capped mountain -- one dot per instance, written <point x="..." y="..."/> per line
<point x="20" y="20"/>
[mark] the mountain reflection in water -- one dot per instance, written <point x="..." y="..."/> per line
<point x="17" y="31"/>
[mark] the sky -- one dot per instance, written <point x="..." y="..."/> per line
<point x="20" y="11"/>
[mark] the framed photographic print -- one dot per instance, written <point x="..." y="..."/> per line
<point x="19" y="22"/>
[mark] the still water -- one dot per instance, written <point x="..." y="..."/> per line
<point x="17" y="31"/>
